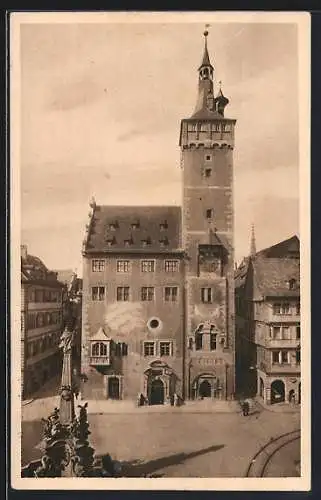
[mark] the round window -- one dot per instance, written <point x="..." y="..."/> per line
<point x="154" y="323"/>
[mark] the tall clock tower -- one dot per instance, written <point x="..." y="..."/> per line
<point x="207" y="143"/>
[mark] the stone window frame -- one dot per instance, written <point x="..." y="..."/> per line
<point x="171" y="265"/>
<point x="144" y="265"/>
<point x="171" y="295"/>
<point x="283" y="311"/>
<point x="144" y="296"/>
<point x="123" y="263"/>
<point x="150" y="343"/>
<point x="101" y="296"/>
<point x="280" y="355"/>
<point x="98" y="265"/>
<point x="281" y="328"/>
<point x="123" y="293"/>
<point x="208" y="295"/>
<point x="171" y="348"/>
<point x="100" y="343"/>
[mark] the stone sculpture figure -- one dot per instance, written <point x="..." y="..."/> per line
<point x="66" y="341"/>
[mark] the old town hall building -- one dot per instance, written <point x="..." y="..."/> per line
<point x="158" y="281"/>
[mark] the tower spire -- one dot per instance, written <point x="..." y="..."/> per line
<point x="253" y="243"/>
<point x="206" y="58"/>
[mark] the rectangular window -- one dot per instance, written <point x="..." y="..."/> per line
<point x="170" y="293"/>
<point x="298" y="308"/>
<point x="275" y="357"/>
<point x="281" y="308"/>
<point x="163" y="225"/>
<point x="298" y="332"/>
<point x="208" y="172"/>
<point x="285" y="308"/>
<point x="286" y="333"/>
<point x="298" y="357"/>
<point x="209" y="213"/>
<point x="149" y="348"/>
<point x="165" y="348"/>
<point x="284" y="357"/>
<point x="208" y="157"/>
<point x="148" y="266"/>
<point x="98" y="293"/>
<point x="276" y="332"/>
<point x="206" y="295"/>
<point x="276" y="308"/>
<point x="122" y="266"/>
<point x="147" y="293"/>
<point x="98" y="265"/>
<point x="171" y="266"/>
<point x="123" y="293"/>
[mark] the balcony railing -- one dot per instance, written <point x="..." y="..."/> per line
<point x="99" y="360"/>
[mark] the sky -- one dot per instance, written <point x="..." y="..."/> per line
<point x="101" y="106"/>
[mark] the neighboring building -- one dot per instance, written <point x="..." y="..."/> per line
<point x="158" y="282"/>
<point x="268" y="323"/>
<point x="72" y="298"/>
<point x="41" y="323"/>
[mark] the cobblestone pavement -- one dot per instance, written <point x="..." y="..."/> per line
<point x="179" y="443"/>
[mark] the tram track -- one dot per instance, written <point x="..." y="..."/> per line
<point x="259" y="463"/>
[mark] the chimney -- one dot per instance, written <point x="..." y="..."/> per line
<point x="24" y="251"/>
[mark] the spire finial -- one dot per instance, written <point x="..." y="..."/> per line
<point x="253" y="243"/>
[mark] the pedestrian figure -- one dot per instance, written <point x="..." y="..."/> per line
<point x="176" y="399"/>
<point x="246" y="408"/>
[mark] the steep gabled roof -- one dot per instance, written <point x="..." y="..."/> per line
<point x="134" y="229"/>
<point x="100" y="335"/>
<point x="286" y="248"/>
<point x="273" y="275"/>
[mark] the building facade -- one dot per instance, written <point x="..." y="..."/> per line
<point x="41" y="323"/>
<point x="158" y="282"/>
<point x="268" y="323"/>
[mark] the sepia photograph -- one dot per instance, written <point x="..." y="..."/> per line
<point x="160" y="246"/>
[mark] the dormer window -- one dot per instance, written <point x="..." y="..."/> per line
<point x="111" y="241"/>
<point x="163" y="225"/>
<point x="164" y="242"/>
<point x="113" y="225"/>
<point x="292" y="284"/>
<point x="146" y="242"/>
<point x="128" y="242"/>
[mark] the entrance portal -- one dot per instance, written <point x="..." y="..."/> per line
<point x="205" y="389"/>
<point x="113" y="388"/>
<point x="277" y="392"/>
<point x="157" y="392"/>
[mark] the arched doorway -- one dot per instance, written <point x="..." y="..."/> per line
<point x="205" y="389"/>
<point x="261" y="388"/>
<point x="113" y="388"/>
<point x="277" y="392"/>
<point x="157" y="392"/>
